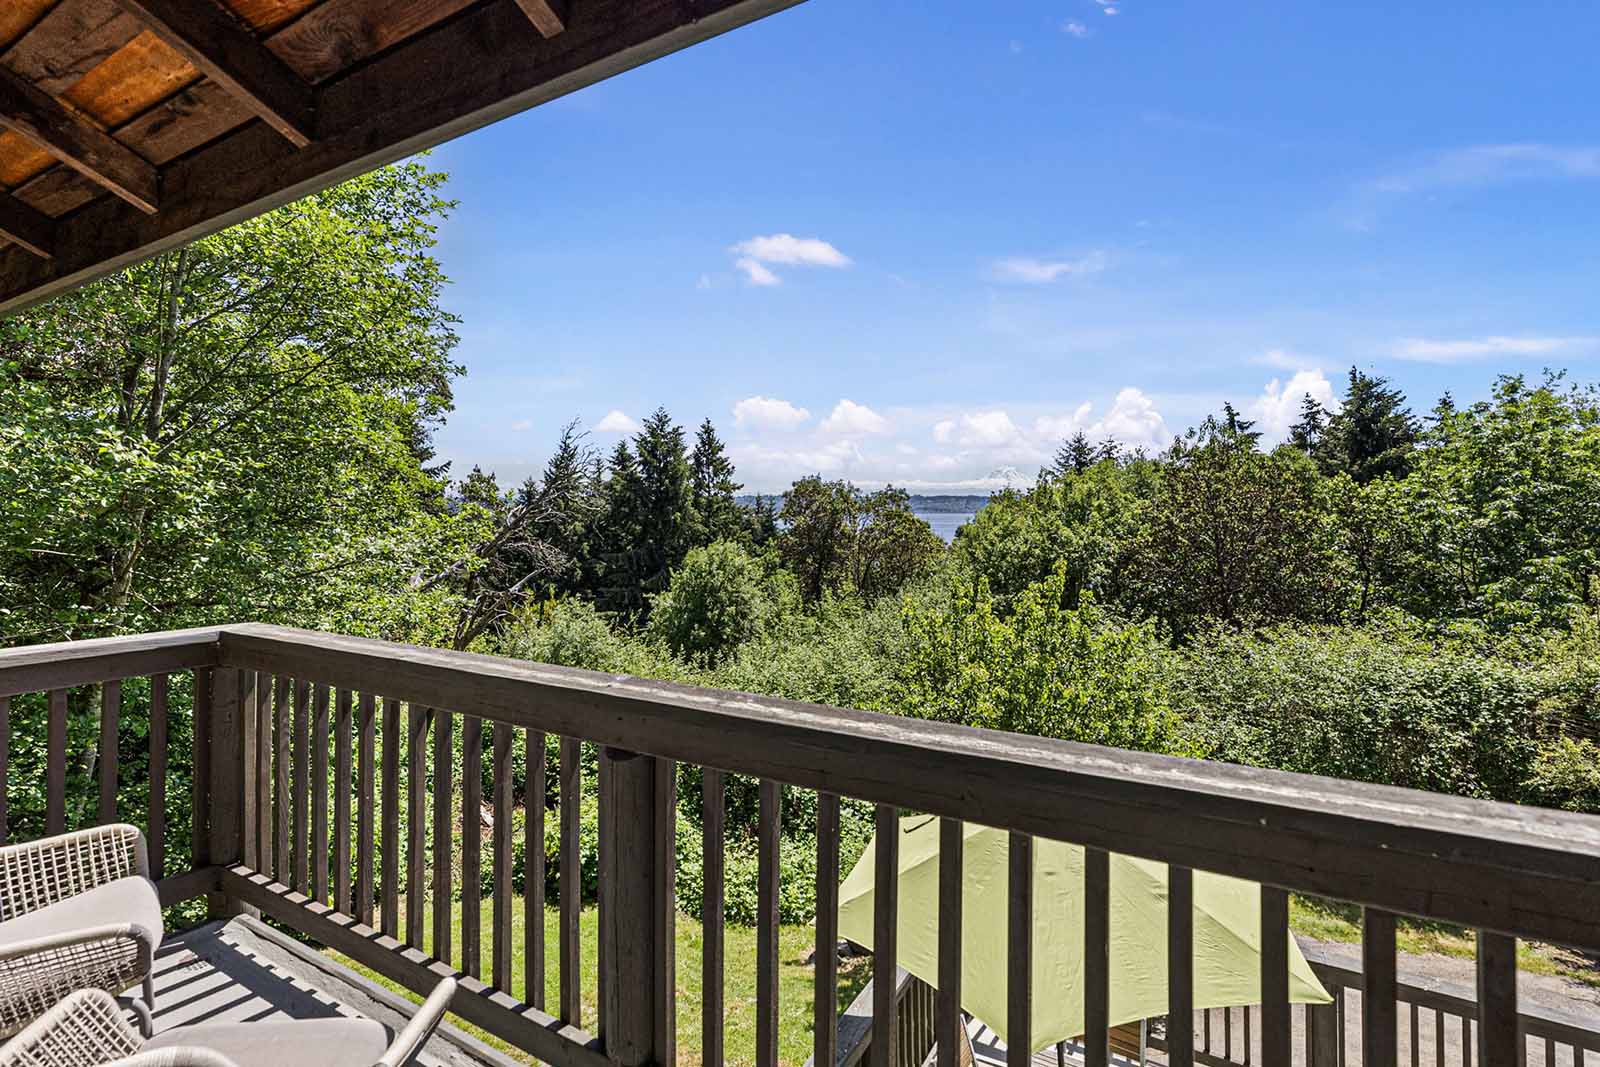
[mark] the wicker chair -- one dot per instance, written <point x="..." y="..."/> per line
<point x="77" y="911"/>
<point x="88" y="1029"/>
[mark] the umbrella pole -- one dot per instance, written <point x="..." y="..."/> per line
<point x="1061" y="1054"/>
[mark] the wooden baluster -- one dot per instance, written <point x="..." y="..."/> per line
<point x="110" y="721"/>
<point x="283" y="799"/>
<point x="472" y="846"/>
<point x="1244" y="1018"/>
<point x="1549" y="1052"/>
<point x="319" y="793"/>
<point x="1498" y="1038"/>
<point x="443" y="833"/>
<point x="1416" y="1037"/>
<point x="201" y="733"/>
<point x="1277" y="1028"/>
<point x="1322" y="1038"/>
<point x="1096" y="957"/>
<point x="824" y="997"/>
<point x="266" y="699"/>
<point x="534" y="787"/>
<point x="713" y="821"/>
<point x="366" y="779"/>
<point x="1466" y="1040"/>
<point x="570" y="948"/>
<point x="502" y="844"/>
<point x="768" y="832"/>
<point x="247" y="686"/>
<point x="1227" y="1032"/>
<point x="301" y="796"/>
<point x="947" y="1025"/>
<point x="1378" y="1007"/>
<point x="664" y="1016"/>
<point x="392" y="742"/>
<point x="55" y="775"/>
<point x="1019" y="959"/>
<point x="1438" y="1038"/>
<point x="156" y="816"/>
<point x="343" y="898"/>
<point x="5" y="764"/>
<point x="417" y="824"/>
<point x="1180" y="967"/>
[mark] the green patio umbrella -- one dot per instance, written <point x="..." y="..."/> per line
<point x="1227" y="931"/>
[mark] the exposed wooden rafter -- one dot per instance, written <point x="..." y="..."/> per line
<point x="549" y="17"/>
<point x="42" y="119"/>
<point x="27" y="226"/>
<point x="380" y="96"/>
<point x="230" y="55"/>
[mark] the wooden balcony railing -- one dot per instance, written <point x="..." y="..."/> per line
<point x="320" y="848"/>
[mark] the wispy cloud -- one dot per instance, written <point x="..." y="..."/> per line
<point x="1473" y="166"/>
<point x="1429" y="350"/>
<point x="1026" y="270"/>
<point x="1074" y="28"/>
<point x="522" y="425"/>
<point x="765" y="412"/>
<point x="1109" y="7"/>
<point x="1284" y="359"/>
<point x="756" y="256"/>
<point x="615" y="422"/>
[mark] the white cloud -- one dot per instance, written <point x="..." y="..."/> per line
<point x="790" y="250"/>
<point x="851" y="419"/>
<point x="765" y="412"/>
<point x="1426" y="350"/>
<point x="522" y="424"/>
<point x="705" y="282"/>
<point x="1029" y="271"/>
<point x="1134" y="421"/>
<point x="1278" y="406"/>
<point x="615" y="422"/>
<point x="1110" y="7"/>
<point x="1473" y="166"/>
<point x="1060" y="427"/>
<point x="980" y="429"/>
<point x="1074" y="28"/>
<point x="755" y="273"/>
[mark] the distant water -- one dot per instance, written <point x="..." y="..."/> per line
<point x="945" y="523"/>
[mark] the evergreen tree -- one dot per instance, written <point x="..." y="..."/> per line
<point x="665" y="518"/>
<point x="616" y="579"/>
<point x="763" y="521"/>
<point x="1237" y="428"/>
<point x="1075" y="455"/>
<point x="717" y="514"/>
<point x="1373" y="435"/>
<point x="1108" y="449"/>
<point x="1308" y="433"/>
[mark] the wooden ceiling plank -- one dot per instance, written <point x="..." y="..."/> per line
<point x="28" y="227"/>
<point x="42" y="119"/>
<point x="232" y="57"/>
<point x="549" y="17"/>
<point x="72" y="39"/>
<point x="471" y="71"/>
<point x="337" y="34"/>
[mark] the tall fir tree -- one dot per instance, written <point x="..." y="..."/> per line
<point x="718" y="516"/>
<point x="666" y="516"/>
<point x="1075" y="456"/>
<point x="1308" y="433"/>
<point x="1373" y="434"/>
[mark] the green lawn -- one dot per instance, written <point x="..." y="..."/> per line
<point x="795" y="945"/>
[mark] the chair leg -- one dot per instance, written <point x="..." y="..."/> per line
<point x="149" y="1004"/>
<point x="141" y="1015"/>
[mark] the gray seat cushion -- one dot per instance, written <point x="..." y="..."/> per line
<point x="290" y="1043"/>
<point x="126" y="900"/>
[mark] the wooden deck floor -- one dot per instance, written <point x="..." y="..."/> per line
<point x="243" y="970"/>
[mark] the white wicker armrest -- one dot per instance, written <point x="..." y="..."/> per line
<point x="85" y="1028"/>
<point x="37" y="873"/>
<point x="36" y="973"/>
<point x="410" y="1040"/>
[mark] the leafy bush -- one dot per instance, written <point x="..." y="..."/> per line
<point x="1381" y="704"/>
<point x="714" y="603"/>
<point x="1046" y="669"/>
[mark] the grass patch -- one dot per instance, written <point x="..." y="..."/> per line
<point x="795" y="977"/>
<point x="1338" y="921"/>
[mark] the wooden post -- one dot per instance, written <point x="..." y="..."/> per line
<point x="232" y="766"/>
<point x="1322" y="1022"/>
<point x="637" y="985"/>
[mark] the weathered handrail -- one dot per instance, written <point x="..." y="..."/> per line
<point x="273" y="704"/>
<point x="1516" y="870"/>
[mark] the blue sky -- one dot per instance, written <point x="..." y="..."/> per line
<point x="920" y="242"/>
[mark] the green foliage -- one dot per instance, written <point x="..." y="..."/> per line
<point x="1044" y="669"/>
<point x="1566" y="774"/>
<point x="840" y="540"/>
<point x="1381" y="704"/>
<point x="714" y="604"/>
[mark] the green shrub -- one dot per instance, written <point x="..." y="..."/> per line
<point x="714" y="603"/>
